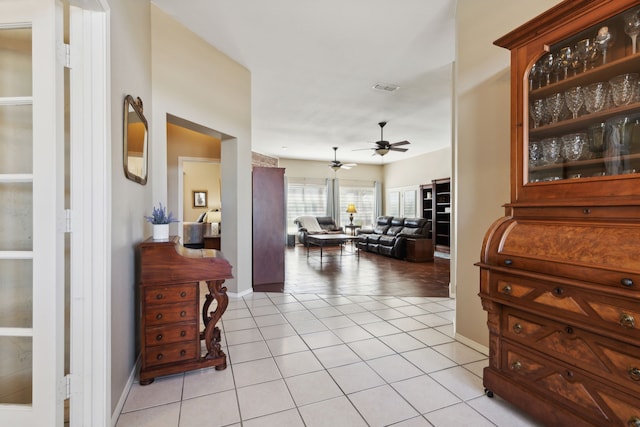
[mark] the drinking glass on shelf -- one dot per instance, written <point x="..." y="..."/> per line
<point x="534" y="76"/>
<point x="566" y="60"/>
<point x="550" y="150"/>
<point x="535" y="153"/>
<point x="632" y="26"/>
<point x="537" y="111"/>
<point x="554" y="104"/>
<point x="574" y="99"/>
<point x="595" y="96"/>
<point x="623" y="88"/>
<point x="547" y="65"/>
<point x="603" y="42"/>
<point x="573" y="146"/>
<point x="586" y="52"/>
<point x="595" y="134"/>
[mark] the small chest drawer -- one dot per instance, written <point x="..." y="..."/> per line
<point x="620" y="316"/>
<point x="170" y="334"/>
<point x="164" y="314"/>
<point x="170" y="294"/>
<point x="598" y="403"/>
<point x="180" y="352"/>
<point x="613" y="360"/>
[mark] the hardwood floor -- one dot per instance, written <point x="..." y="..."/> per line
<point x="368" y="274"/>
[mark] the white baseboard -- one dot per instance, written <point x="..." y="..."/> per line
<point x="125" y="393"/>
<point x="474" y="345"/>
<point x="240" y="294"/>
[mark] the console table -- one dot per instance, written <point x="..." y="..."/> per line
<point x="168" y="278"/>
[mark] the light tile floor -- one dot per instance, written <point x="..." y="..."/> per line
<point x="329" y="360"/>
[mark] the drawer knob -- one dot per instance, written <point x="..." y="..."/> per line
<point x="183" y="333"/>
<point x="558" y="291"/>
<point x="508" y="261"/>
<point x="516" y="366"/>
<point x="568" y="330"/>
<point x="159" y="356"/>
<point x="159" y="316"/>
<point x="517" y="328"/>
<point x="633" y="422"/>
<point x="507" y="289"/>
<point x="183" y="352"/>
<point x="586" y="211"/>
<point x="183" y="313"/>
<point x="159" y="296"/>
<point x="159" y="337"/>
<point x="634" y="374"/>
<point x="183" y="294"/>
<point x="627" y="282"/>
<point x="627" y="321"/>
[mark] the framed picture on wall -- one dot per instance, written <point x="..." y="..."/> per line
<point x="200" y="199"/>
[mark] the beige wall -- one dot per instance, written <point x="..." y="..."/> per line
<point x="130" y="74"/>
<point x="418" y="170"/>
<point x="193" y="81"/>
<point x="200" y="176"/>
<point x="481" y="150"/>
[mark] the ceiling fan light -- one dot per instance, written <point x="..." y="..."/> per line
<point x="382" y="151"/>
<point x="335" y="168"/>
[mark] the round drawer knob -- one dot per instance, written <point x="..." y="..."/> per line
<point x="159" y="316"/>
<point x="517" y="328"/>
<point x="634" y="374"/>
<point x="558" y="291"/>
<point x="627" y="321"/>
<point x="568" y="330"/>
<point x="159" y="337"/>
<point x="159" y="356"/>
<point x="159" y="296"/>
<point x="183" y="313"/>
<point x="183" y="294"/>
<point x="516" y="366"/>
<point x="183" y="352"/>
<point x="586" y="211"/>
<point x="627" y="282"/>
<point x="507" y="290"/>
<point x="508" y="262"/>
<point x="183" y="333"/>
<point x="633" y="422"/>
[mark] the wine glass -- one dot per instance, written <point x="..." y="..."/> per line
<point x="554" y="105"/>
<point x="595" y="96"/>
<point x="537" y="110"/>
<point x="574" y="98"/>
<point x="534" y="75"/>
<point x="586" y="52"/>
<point x="566" y="58"/>
<point x="632" y="26"/>
<point x="573" y="146"/>
<point x="547" y="66"/>
<point x="623" y="88"/>
<point x="603" y="42"/>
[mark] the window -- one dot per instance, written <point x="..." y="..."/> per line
<point x="402" y="202"/>
<point x="361" y="194"/>
<point x="305" y="197"/>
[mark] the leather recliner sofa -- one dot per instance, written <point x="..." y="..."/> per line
<point x="389" y="235"/>
<point x="324" y="225"/>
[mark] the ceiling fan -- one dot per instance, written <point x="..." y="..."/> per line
<point x="337" y="165"/>
<point x="383" y="147"/>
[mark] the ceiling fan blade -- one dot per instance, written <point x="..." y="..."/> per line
<point x="396" y="144"/>
<point x="349" y="165"/>
<point x="398" y="149"/>
<point x="362" y="149"/>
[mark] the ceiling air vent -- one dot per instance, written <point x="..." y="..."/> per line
<point x="386" y="87"/>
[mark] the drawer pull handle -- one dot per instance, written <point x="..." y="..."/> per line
<point x="516" y="366"/>
<point x="568" y="330"/>
<point x="508" y="262"/>
<point x="586" y="211"/>
<point x="183" y="333"/>
<point x="633" y="422"/>
<point x="627" y="282"/>
<point x="183" y="294"/>
<point x="159" y="337"/>
<point x="634" y="374"/>
<point x="159" y="356"/>
<point x="507" y="289"/>
<point x="159" y="296"/>
<point x="183" y="352"/>
<point x="627" y="321"/>
<point x="183" y="313"/>
<point x="159" y="316"/>
<point x="517" y="328"/>
<point x="558" y="291"/>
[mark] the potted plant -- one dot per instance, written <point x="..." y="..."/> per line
<point x="160" y="221"/>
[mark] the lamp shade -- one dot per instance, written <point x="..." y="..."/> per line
<point x="351" y="208"/>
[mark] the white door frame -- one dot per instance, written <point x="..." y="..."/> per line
<point x="90" y="403"/>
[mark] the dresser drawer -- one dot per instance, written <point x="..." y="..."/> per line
<point x="170" y="294"/>
<point x="165" y="314"/>
<point x="180" y="352"/>
<point x="171" y="333"/>
<point x="613" y="360"/>
<point x="594" y="400"/>
<point x="592" y="310"/>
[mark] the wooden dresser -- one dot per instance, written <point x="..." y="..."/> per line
<point x="560" y="273"/>
<point x="168" y="277"/>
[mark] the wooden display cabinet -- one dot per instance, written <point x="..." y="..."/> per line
<point x="560" y="273"/>
<point x="442" y="214"/>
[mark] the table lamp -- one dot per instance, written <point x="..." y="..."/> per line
<point x="351" y="209"/>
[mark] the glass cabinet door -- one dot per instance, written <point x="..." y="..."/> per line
<point x="584" y="105"/>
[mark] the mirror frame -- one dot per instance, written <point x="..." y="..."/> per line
<point x="132" y="106"/>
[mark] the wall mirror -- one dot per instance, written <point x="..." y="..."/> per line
<point x="136" y="135"/>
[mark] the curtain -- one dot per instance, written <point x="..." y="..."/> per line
<point x="377" y="203"/>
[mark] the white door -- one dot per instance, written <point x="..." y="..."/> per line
<point x="31" y="214"/>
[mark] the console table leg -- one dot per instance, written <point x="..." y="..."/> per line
<point x="211" y="332"/>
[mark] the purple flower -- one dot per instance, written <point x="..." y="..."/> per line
<point x="159" y="216"/>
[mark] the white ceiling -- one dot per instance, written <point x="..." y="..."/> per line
<point x="313" y="65"/>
